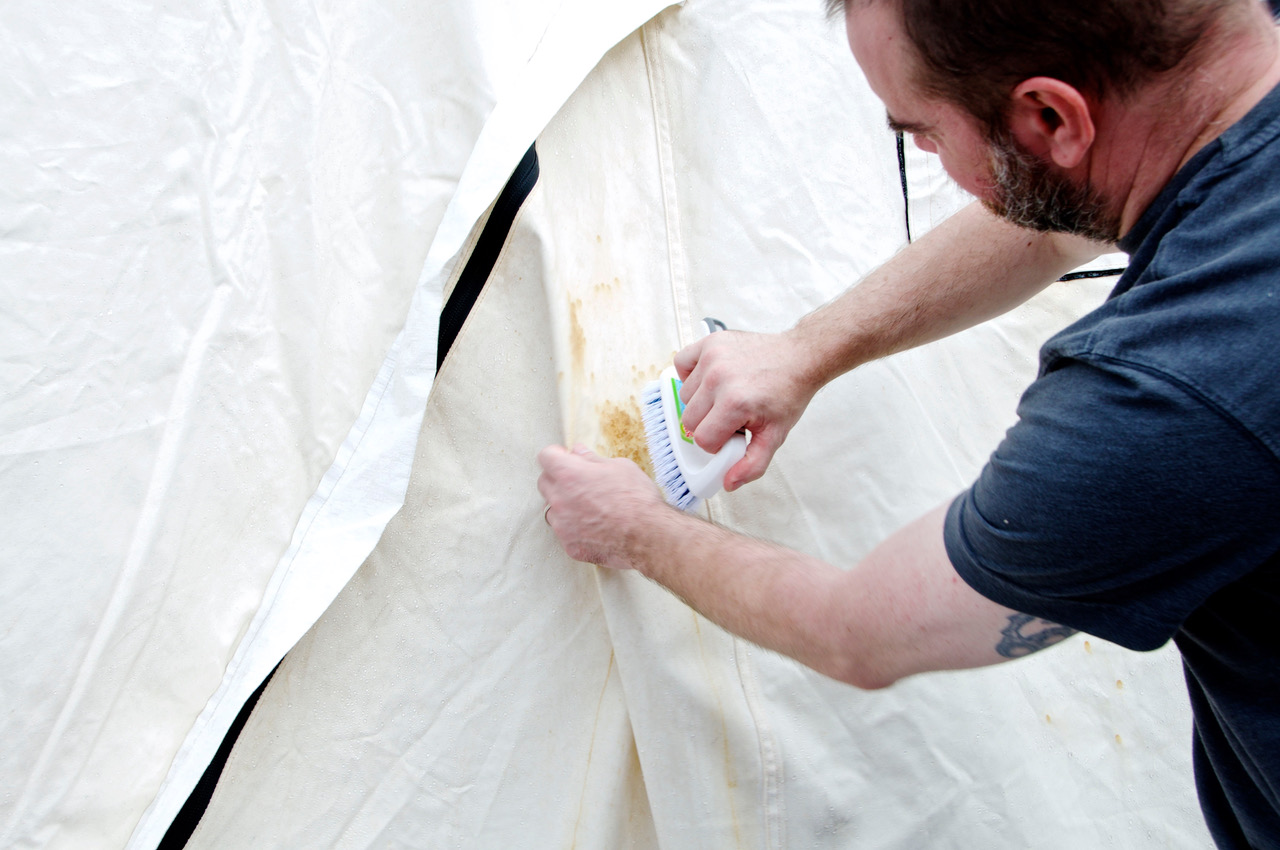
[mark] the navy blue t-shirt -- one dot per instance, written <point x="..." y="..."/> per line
<point x="1138" y="496"/>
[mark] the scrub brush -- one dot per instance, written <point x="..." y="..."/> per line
<point x="685" y="472"/>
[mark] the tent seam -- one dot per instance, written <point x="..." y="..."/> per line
<point x="771" y="797"/>
<point x="666" y="170"/>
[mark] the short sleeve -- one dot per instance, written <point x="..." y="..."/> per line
<point x="1117" y="505"/>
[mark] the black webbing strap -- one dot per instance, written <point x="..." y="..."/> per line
<point x="461" y="299"/>
<point x="485" y="254"/>
<point x="1098" y="273"/>
<point x="188" y="817"/>
<point x="902" y="178"/>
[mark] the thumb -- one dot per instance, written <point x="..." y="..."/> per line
<point x="551" y="455"/>
<point x="753" y="464"/>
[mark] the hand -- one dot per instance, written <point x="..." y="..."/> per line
<point x="737" y="381"/>
<point x="595" y="504"/>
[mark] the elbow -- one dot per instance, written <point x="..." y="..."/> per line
<point x="855" y="670"/>
<point x="869" y="681"/>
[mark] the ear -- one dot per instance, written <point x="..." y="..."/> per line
<point x="1051" y="118"/>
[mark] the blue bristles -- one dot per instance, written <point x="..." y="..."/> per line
<point x="665" y="469"/>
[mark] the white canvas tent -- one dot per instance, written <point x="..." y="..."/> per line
<point x="228" y="236"/>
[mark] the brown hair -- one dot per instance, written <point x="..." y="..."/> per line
<point x="973" y="53"/>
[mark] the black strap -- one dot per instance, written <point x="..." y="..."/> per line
<point x="188" y="817"/>
<point x="485" y="254"/>
<point x="464" y="295"/>
<point x="902" y="178"/>
<point x="1098" y="273"/>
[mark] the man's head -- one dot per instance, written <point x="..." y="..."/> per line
<point x="972" y="53"/>
<point x="1007" y="91"/>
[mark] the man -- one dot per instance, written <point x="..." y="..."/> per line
<point x="1138" y="497"/>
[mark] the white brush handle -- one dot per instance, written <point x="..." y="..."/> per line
<point x="706" y="481"/>
<point x="702" y="471"/>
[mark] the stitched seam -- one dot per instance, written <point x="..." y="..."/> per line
<point x="666" y="171"/>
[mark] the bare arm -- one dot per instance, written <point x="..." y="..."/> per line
<point x="969" y="269"/>
<point x="902" y="610"/>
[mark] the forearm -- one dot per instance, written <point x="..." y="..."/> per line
<point x="971" y="268"/>
<point x="774" y="597"/>
<point x="902" y="610"/>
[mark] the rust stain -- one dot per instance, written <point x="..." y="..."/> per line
<point x="1119" y="684"/>
<point x="651" y="373"/>
<point x="577" y="337"/>
<point x="623" y="434"/>
<point x="1088" y="648"/>
<point x="591" y="748"/>
<point x="1119" y="740"/>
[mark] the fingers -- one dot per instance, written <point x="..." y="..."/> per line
<point x="702" y="367"/>
<point x="696" y="406"/>
<point x="550" y="455"/>
<point x="699" y="395"/>
<point x="590" y="501"/>
<point x="686" y="359"/>
<point x="711" y="433"/>
<point x="566" y="473"/>
<point x="554" y="457"/>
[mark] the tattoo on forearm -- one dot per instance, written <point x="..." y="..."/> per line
<point x="1026" y="634"/>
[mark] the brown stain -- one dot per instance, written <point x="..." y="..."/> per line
<point x="642" y="376"/>
<point x="577" y="336"/>
<point x="1119" y="740"/>
<point x="622" y="431"/>
<point x="1119" y="684"/>
<point x="591" y="748"/>
<point x="1048" y="719"/>
<point x="1088" y="648"/>
<point x="577" y="364"/>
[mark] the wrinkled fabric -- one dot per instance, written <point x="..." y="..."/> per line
<point x="472" y="686"/>
<point x="214" y="224"/>
<point x="225" y="237"/>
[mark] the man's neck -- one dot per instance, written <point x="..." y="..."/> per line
<point x="1157" y="131"/>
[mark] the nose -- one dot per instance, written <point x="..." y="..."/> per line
<point x="924" y="144"/>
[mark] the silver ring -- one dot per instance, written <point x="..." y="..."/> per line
<point x="545" y="518"/>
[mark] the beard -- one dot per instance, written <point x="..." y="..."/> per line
<point x="1028" y="192"/>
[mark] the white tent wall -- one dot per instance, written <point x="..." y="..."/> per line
<point x="212" y="224"/>
<point x="472" y="687"/>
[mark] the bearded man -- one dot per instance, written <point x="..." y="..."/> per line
<point x="1138" y="496"/>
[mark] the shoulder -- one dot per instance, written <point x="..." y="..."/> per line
<point x="1200" y="302"/>
<point x="1117" y="489"/>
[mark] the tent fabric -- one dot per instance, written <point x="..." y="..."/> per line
<point x="228" y="234"/>
<point x="214" y="223"/>
<point x="473" y="687"/>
